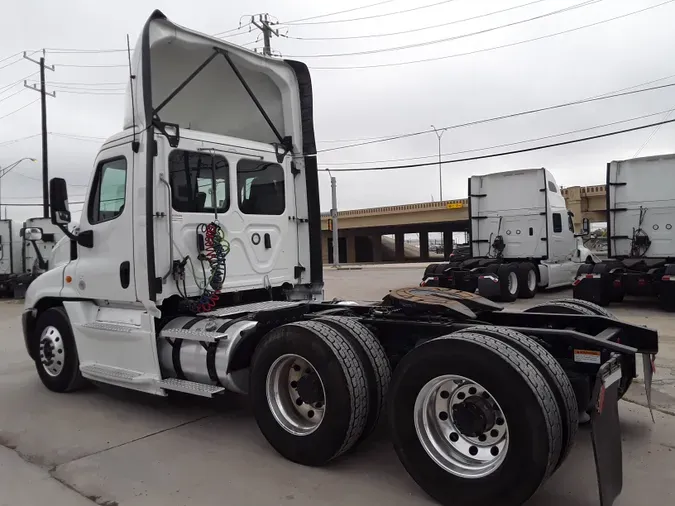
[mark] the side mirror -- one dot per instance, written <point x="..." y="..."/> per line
<point x="58" y="199"/>
<point x="31" y="233"/>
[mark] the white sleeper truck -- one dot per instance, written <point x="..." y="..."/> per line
<point x="640" y="235"/>
<point x="521" y="235"/>
<point x="196" y="268"/>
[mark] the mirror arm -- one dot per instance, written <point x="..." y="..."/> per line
<point x="85" y="239"/>
<point x="40" y="258"/>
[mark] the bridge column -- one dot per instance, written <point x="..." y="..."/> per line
<point x="447" y="244"/>
<point x="399" y="247"/>
<point x="376" y="241"/>
<point x="424" y="245"/>
<point x="325" y="248"/>
<point x="351" y="249"/>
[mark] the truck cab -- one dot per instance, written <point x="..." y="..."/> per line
<point x="521" y="235"/>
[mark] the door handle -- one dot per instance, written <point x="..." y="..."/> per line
<point x="268" y="241"/>
<point x="125" y="273"/>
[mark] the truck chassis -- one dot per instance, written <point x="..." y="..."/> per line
<point x="482" y="404"/>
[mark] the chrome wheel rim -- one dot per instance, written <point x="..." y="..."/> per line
<point x="289" y="379"/>
<point x="451" y="438"/>
<point x="52" y="353"/>
<point x="513" y="283"/>
<point x="531" y="280"/>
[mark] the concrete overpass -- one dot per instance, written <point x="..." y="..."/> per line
<point x="361" y="230"/>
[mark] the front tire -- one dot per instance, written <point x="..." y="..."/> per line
<point x="426" y="443"/>
<point x="56" y="359"/>
<point x="308" y="391"/>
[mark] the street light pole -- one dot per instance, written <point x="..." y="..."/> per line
<point x="440" y="172"/>
<point x="7" y="170"/>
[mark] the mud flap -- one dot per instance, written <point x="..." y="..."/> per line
<point x="489" y="286"/>
<point x="606" y="431"/>
<point x="648" y="368"/>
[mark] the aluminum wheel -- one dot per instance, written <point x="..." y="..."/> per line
<point x="52" y="354"/>
<point x="531" y="280"/>
<point x="295" y="394"/>
<point x="461" y="426"/>
<point x="513" y="283"/>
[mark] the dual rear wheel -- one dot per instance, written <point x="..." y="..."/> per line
<point x="480" y="416"/>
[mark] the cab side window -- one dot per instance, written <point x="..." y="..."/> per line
<point x="557" y="223"/>
<point x="108" y="196"/>
<point x="570" y="223"/>
<point x="199" y="182"/>
<point x="260" y="187"/>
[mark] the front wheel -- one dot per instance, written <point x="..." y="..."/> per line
<point x="57" y="362"/>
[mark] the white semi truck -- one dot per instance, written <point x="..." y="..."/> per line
<point x="521" y="236"/>
<point x="197" y="268"/>
<point x="640" y="235"/>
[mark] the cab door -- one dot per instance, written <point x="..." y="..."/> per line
<point x="106" y="270"/>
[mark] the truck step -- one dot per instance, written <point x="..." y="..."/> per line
<point x="193" y="335"/>
<point x="270" y="305"/>
<point x="110" y="327"/>
<point x="106" y="373"/>
<point x="190" y="387"/>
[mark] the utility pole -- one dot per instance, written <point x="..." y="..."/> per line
<point x="43" y="95"/>
<point x="334" y="219"/>
<point x="440" y="165"/>
<point x="263" y="25"/>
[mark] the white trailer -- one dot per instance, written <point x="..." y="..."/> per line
<point x="196" y="268"/>
<point x="521" y="235"/>
<point x="7" y="261"/>
<point x="640" y="235"/>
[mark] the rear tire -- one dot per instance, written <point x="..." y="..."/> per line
<point x="339" y="398"/>
<point x="375" y="363"/>
<point x="509" y="285"/>
<point x="55" y="353"/>
<point x="527" y="280"/>
<point x="525" y="400"/>
<point x="549" y="367"/>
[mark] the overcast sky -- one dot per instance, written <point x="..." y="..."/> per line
<point x="365" y="103"/>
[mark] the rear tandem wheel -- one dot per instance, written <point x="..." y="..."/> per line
<point x="473" y="421"/>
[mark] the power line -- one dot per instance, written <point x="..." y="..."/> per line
<point x="83" y="51"/>
<point x="20" y="108"/>
<point x="99" y="66"/>
<point x="484" y="50"/>
<point x="413" y="30"/>
<point x="11" y="63"/>
<point x="241" y="27"/>
<point x="13" y="141"/>
<point x="504" y="153"/>
<point x="525" y="141"/>
<point x="19" y="81"/>
<point x="654" y="132"/>
<point x="368" y="17"/>
<point x="456" y="37"/>
<point x="383" y="137"/>
<point x="498" y="118"/>
<point x="78" y="137"/>
<point x="12" y="95"/>
<point x="11" y="56"/>
<point x="337" y="12"/>
<point x="73" y="92"/>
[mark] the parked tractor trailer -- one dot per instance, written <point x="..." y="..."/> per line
<point x="640" y="235"/>
<point x="196" y="268"/>
<point x="521" y="235"/>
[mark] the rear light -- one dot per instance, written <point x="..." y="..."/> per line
<point x="576" y="282"/>
<point x="617" y="283"/>
<point x="589" y="276"/>
<point x="668" y="277"/>
<point x="641" y="282"/>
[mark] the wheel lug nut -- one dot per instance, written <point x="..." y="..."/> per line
<point x="444" y="394"/>
<point x="296" y="367"/>
<point x="500" y="421"/>
<point x="299" y="401"/>
<point x="472" y="391"/>
<point x="486" y="395"/>
<point x="494" y="433"/>
<point x="494" y="451"/>
<point x="461" y="395"/>
<point x="473" y="450"/>
<point x="310" y="414"/>
<point x="294" y="384"/>
<point x="318" y="405"/>
<point x="482" y="438"/>
<point x="454" y="437"/>
<point x="443" y="415"/>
